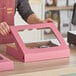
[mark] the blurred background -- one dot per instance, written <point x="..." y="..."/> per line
<point x="60" y="11"/>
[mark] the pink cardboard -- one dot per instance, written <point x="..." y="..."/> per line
<point x="5" y="64"/>
<point x="27" y="55"/>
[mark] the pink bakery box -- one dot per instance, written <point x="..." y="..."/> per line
<point x="5" y="64"/>
<point x="21" y="52"/>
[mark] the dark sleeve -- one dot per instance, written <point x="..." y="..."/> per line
<point x="74" y="15"/>
<point x="24" y="9"/>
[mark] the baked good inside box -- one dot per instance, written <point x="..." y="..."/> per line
<point x="41" y="44"/>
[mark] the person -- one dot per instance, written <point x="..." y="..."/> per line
<point x="26" y="13"/>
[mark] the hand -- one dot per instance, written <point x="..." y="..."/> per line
<point x="33" y="19"/>
<point x="48" y="20"/>
<point x="4" y="29"/>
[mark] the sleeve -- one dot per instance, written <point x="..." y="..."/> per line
<point x="24" y="9"/>
<point x="74" y="15"/>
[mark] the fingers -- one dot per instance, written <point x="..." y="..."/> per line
<point x="48" y="20"/>
<point x="1" y="33"/>
<point x="4" y="29"/>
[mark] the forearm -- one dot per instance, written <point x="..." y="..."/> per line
<point x="32" y="19"/>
